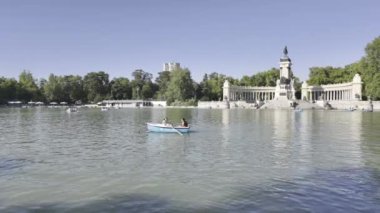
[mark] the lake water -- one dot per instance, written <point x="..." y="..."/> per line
<point x="236" y="160"/>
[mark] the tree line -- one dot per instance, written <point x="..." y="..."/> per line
<point x="176" y="87"/>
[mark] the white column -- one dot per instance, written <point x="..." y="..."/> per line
<point x="349" y="95"/>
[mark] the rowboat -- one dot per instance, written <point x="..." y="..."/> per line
<point x="72" y="109"/>
<point x="166" y="128"/>
<point x="103" y="109"/>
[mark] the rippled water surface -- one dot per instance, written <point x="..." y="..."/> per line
<point x="232" y="161"/>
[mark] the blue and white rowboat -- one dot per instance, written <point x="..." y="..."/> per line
<point x="156" y="127"/>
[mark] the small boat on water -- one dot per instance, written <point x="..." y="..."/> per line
<point x="167" y="128"/>
<point x="103" y="109"/>
<point x="72" y="109"/>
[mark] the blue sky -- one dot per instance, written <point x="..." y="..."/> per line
<point x="232" y="37"/>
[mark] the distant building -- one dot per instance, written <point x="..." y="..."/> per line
<point x="171" y="66"/>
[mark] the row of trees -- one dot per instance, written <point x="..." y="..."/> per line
<point x="176" y="87"/>
<point x="368" y="67"/>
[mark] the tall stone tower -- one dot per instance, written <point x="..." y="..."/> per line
<point x="285" y="85"/>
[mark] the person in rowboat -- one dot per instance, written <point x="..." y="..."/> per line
<point x="184" y="122"/>
<point x="165" y="121"/>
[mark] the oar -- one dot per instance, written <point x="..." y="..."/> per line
<point x="177" y="130"/>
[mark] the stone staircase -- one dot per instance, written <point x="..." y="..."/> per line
<point x="307" y="105"/>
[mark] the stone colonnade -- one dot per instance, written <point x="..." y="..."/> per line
<point x="236" y="93"/>
<point x="331" y="95"/>
<point x="334" y="92"/>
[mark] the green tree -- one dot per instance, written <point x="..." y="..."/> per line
<point x="53" y="89"/>
<point x="73" y="88"/>
<point x="373" y="55"/>
<point x="162" y="82"/>
<point x="121" y="89"/>
<point x="211" y="87"/>
<point x="140" y="79"/>
<point x="96" y="86"/>
<point x="215" y="84"/>
<point x="180" y="87"/>
<point x="28" y="89"/>
<point x="246" y="81"/>
<point x="371" y="69"/>
<point x="8" y="90"/>
<point x="203" y="91"/>
<point x="147" y="91"/>
<point x="319" y="76"/>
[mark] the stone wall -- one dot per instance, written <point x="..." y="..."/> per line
<point x="359" y="105"/>
<point x="341" y="105"/>
<point x="225" y="105"/>
<point x="158" y="103"/>
<point x="213" y="104"/>
<point x="376" y="105"/>
<point x="242" y="104"/>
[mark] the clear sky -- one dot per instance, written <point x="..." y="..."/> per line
<point x="232" y="37"/>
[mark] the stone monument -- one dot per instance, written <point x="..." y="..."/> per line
<point x="285" y="85"/>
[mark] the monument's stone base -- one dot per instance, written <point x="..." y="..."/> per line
<point x="280" y="103"/>
<point x="358" y="105"/>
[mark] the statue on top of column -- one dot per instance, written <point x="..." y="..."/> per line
<point x="286" y="51"/>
